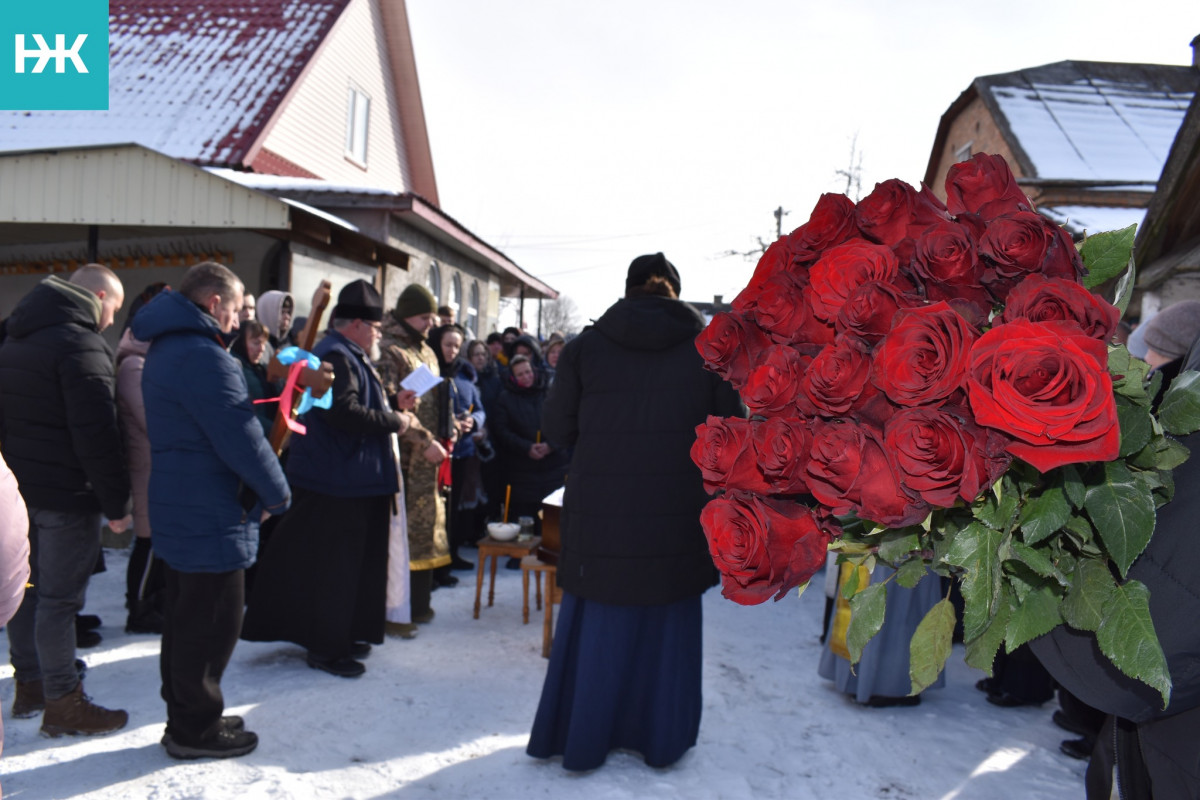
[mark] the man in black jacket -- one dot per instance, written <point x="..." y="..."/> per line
<point x="58" y="431"/>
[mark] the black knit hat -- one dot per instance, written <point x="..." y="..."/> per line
<point x="359" y="300"/>
<point x="414" y="301"/>
<point x="643" y="268"/>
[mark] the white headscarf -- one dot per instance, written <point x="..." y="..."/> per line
<point x="269" y="305"/>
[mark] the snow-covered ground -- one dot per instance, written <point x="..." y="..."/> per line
<point x="447" y="715"/>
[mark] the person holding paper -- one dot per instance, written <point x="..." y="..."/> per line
<point x="322" y="580"/>
<point x="404" y="351"/>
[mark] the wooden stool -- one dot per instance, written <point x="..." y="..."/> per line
<point x="493" y="549"/>
<point x="553" y="595"/>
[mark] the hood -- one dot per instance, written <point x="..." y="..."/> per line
<point x="267" y="310"/>
<point x="171" y="312"/>
<point x="650" y="323"/>
<point x="528" y="341"/>
<point x="130" y="345"/>
<point x="54" y="302"/>
<point x="461" y="368"/>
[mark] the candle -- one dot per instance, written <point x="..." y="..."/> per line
<point x="507" y="496"/>
<point x="538" y="440"/>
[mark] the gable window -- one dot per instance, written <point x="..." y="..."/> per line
<point x="358" y="113"/>
<point x="964" y="153"/>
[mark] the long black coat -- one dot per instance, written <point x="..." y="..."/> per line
<point x="58" y="414"/>
<point x="628" y="395"/>
<point x="515" y="424"/>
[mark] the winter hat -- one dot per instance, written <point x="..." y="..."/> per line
<point x="414" y="301"/>
<point x="643" y="268"/>
<point x="1173" y="329"/>
<point x="359" y="300"/>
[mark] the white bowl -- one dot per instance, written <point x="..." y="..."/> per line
<point x="503" y="531"/>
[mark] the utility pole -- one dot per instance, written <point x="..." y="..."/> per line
<point x="779" y="215"/>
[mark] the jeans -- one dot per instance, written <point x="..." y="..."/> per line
<point x="63" y="548"/>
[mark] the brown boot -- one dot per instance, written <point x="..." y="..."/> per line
<point x="74" y="714"/>
<point x="29" y="701"/>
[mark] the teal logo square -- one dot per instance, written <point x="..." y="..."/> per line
<point x="53" y="55"/>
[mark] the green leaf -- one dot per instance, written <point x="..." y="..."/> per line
<point x="1174" y="454"/>
<point x="1123" y="291"/>
<point x="1035" y="559"/>
<point x="850" y="587"/>
<point x="1136" y="426"/>
<point x="896" y="544"/>
<point x="1106" y="255"/>
<point x="910" y="573"/>
<point x="800" y="589"/>
<point x="1122" y="509"/>
<point x="1091" y="588"/>
<point x="1129" y="375"/>
<point x="976" y="549"/>
<point x="997" y="512"/>
<point x="1079" y="530"/>
<point x="930" y="646"/>
<point x="866" y="618"/>
<point x="1073" y="485"/>
<point x="1044" y="514"/>
<point x="981" y="651"/>
<point x="1037" y="614"/>
<point x="1179" y="411"/>
<point x="1126" y="635"/>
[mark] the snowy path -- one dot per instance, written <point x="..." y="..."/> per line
<point x="447" y="715"/>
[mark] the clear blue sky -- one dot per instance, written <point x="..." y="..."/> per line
<point x="576" y="136"/>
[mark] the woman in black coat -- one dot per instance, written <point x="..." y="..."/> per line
<point x="625" y="666"/>
<point x="532" y="465"/>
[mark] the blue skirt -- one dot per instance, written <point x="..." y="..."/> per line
<point x="621" y="677"/>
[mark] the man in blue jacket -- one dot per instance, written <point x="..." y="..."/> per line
<point x="214" y="476"/>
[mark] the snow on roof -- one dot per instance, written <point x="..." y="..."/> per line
<point x="285" y="183"/>
<point x="1093" y="219"/>
<point x="1081" y="120"/>
<point x="194" y="79"/>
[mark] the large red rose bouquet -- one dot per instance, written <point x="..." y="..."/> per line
<point x="931" y="385"/>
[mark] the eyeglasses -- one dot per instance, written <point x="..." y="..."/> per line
<point x="375" y="326"/>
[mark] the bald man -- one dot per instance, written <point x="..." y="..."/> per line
<point x="59" y="434"/>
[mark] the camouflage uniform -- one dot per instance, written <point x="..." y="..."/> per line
<point x="400" y="354"/>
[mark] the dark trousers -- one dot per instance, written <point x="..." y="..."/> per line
<point x="202" y="617"/>
<point x="41" y="637"/>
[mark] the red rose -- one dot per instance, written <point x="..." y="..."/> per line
<point x="830" y="224"/>
<point x="984" y="186"/>
<point x="946" y="262"/>
<point x="849" y="471"/>
<point x="842" y="270"/>
<point x="730" y="346"/>
<point x="762" y="547"/>
<point x="725" y="454"/>
<point x="772" y="386"/>
<point x="1024" y="243"/>
<point x="782" y="446"/>
<point x="923" y="360"/>
<point x="1046" y="385"/>
<point x="941" y="455"/>
<point x="895" y="211"/>
<point x="781" y="309"/>
<point x="837" y="377"/>
<point x="869" y="310"/>
<point x="1039" y="299"/>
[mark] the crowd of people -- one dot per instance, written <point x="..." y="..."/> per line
<point x="339" y="537"/>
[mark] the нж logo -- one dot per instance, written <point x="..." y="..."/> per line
<point x="54" y="55"/>
<point x="43" y="54"/>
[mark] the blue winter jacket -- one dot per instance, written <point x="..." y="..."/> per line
<point x="208" y="453"/>
<point x="347" y="451"/>
<point x="466" y="401"/>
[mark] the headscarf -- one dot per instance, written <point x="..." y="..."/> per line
<point x="269" y="305"/>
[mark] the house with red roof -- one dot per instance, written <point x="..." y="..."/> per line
<point x="285" y="138"/>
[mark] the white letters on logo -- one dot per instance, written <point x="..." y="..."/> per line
<point x="43" y="53"/>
